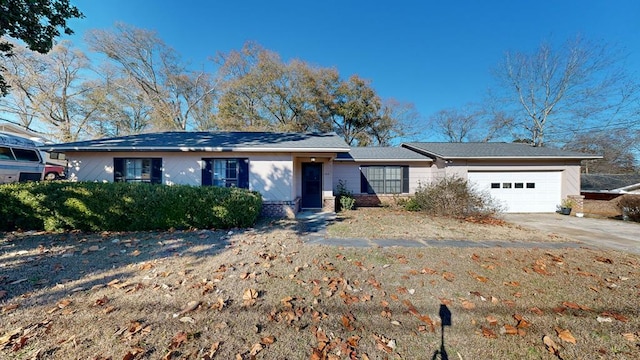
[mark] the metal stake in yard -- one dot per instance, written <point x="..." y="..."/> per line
<point x="445" y="320"/>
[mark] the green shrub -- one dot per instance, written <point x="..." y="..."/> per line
<point x="56" y="206"/>
<point x="345" y="197"/>
<point x="630" y="206"/>
<point x="411" y="205"/>
<point x="452" y="196"/>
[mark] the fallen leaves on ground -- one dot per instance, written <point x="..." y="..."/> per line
<point x="565" y="335"/>
<point x="551" y="346"/>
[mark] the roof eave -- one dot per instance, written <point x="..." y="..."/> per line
<point x="189" y="149"/>
<point x="385" y="160"/>
<point x="520" y="157"/>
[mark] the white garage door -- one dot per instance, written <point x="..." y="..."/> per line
<point x="537" y="191"/>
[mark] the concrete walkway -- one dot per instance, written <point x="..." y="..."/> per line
<point x="597" y="233"/>
<point x="313" y="226"/>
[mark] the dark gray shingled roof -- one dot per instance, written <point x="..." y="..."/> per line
<point x="381" y="154"/>
<point x="210" y="141"/>
<point x="486" y="150"/>
<point x="603" y="182"/>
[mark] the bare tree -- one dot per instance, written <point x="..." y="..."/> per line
<point x="180" y="98"/>
<point x="456" y="125"/>
<point x="398" y="119"/>
<point x="22" y="71"/>
<point x="121" y="109"/>
<point x="555" y="93"/>
<point x="616" y="148"/>
<point x="472" y="122"/>
<point x="50" y="89"/>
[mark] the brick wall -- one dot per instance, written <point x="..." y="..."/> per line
<point x="280" y="209"/>
<point x="578" y="200"/>
<point x="329" y="203"/>
<point x="369" y="200"/>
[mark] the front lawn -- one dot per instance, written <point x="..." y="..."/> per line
<point x="228" y="295"/>
<point x="384" y="223"/>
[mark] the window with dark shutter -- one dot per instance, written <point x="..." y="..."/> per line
<point x="147" y="170"/>
<point x="226" y="172"/>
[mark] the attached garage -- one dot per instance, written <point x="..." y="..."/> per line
<point x="522" y="191"/>
<point x="522" y="177"/>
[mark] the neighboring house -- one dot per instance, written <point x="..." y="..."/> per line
<point x="23" y="132"/>
<point x="609" y="186"/>
<point x="524" y="178"/>
<point x="298" y="171"/>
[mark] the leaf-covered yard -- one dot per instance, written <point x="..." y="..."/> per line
<point x="262" y="293"/>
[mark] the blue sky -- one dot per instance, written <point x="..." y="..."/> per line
<point x="433" y="54"/>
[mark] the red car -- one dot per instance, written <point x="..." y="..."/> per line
<point x="54" y="172"/>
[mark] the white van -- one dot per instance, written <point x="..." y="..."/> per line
<point x="20" y="160"/>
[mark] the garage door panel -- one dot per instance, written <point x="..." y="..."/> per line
<point x="537" y="191"/>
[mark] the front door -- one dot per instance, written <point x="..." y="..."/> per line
<point x="311" y="185"/>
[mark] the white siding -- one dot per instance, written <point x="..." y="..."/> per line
<point x="419" y="174"/>
<point x="272" y="176"/>
<point x="91" y="166"/>
<point x="349" y="173"/>
<point x="269" y="174"/>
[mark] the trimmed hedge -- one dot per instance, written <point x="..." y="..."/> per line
<point x="57" y="206"/>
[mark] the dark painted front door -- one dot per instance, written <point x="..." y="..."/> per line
<point x="311" y="185"/>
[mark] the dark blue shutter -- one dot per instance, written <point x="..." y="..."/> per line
<point x="243" y="173"/>
<point x="156" y="170"/>
<point x="118" y="169"/>
<point x="207" y="172"/>
<point x="364" y="184"/>
<point x="405" y="179"/>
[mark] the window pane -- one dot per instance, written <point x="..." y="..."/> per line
<point x="495" y="185"/>
<point x="225" y="172"/>
<point x="232" y="166"/>
<point x="531" y="185"/>
<point x="376" y="179"/>
<point x="5" y="154"/>
<point x="506" y="185"/>
<point x="137" y="170"/>
<point x="58" y="156"/>
<point x="393" y="186"/>
<point x="145" y="172"/>
<point x="519" y="185"/>
<point x="134" y="169"/>
<point x="26" y="155"/>
<point x="393" y="180"/>
<point x="393" y="173"/>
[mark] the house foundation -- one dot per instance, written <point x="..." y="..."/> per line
<point x="280" y="209"/>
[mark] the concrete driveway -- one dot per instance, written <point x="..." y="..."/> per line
<point x="604" y="233"/>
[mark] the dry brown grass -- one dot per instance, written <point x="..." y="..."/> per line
<point x="187" y="295"/>
<point x="384" y="223"/>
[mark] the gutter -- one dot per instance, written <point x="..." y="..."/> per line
<point x="190" y="149"/>
<point x="523" y="157"/>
